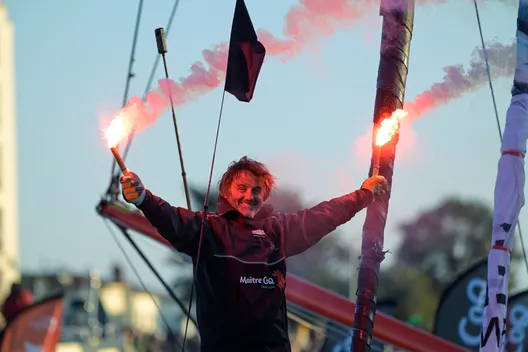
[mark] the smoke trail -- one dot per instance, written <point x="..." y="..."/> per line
<point x="312" y="19"/>
<point x="305" y="22"/>
<point x="458" y="81"/>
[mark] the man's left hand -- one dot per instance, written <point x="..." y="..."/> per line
<point x="376" y="184"/>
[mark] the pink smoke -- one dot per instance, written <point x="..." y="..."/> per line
<point x="138" y="114"/>
<point x="305" y="22"/>
<point x="312" y="19"/>
<point x="458" y="81"/>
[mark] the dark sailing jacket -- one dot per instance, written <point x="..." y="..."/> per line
<point x="241" y="275"/>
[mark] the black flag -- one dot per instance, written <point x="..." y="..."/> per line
<point x="246" y="56"/>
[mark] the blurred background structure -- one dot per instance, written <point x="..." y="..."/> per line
<point x="9" y="258"/>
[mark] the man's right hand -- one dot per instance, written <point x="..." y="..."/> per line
<point x="132" y="189"/>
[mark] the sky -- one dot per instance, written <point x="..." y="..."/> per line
<point x="307" y="121"/>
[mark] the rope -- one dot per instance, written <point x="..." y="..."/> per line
<point x="205" y="207"/>
<point x="158" y="276"/>
<point x="497" y="114"/>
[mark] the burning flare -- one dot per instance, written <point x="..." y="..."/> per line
<point x="113" y="134"/>
<point x="389" y="127"/>
<point x="456" y="82"/>
<point x="138" y="114"/>
<point x="116" y="132"/>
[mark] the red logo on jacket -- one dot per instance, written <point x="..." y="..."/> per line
<point x="281" y="281"/>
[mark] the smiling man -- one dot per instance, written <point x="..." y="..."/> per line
<point x="240" y="278"/>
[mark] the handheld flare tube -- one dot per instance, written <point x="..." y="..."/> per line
<point x="119" y="160"/>
<point x="376" y="161"/>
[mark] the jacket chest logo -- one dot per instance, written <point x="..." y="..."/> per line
<point x="277" y="279"/>
<point x="259" y="233"/>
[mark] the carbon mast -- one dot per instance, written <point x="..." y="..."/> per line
<point x="398" y="20"/>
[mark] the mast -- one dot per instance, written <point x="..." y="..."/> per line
<point x="398" y="19"/>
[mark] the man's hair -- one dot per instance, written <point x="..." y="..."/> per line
<point x="248" y="165"/>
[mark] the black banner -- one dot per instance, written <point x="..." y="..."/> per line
<point x="459" y="313"/>
<point x="517" y="323"/>
<point x="461" y="307"/>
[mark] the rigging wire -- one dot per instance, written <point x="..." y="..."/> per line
<point x="143" y="285"/>
<point x="162" y="49"/>
<point x="158" y="276"/>
<point x="205" y="207"/>
<point x="130" y="75"/>
<point x="497" y="114"/>
<point x="150" y="79"/>
<point x="114" y="181"/>
<point x="115" y="178"/>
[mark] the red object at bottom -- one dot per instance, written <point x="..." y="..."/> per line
<point x="15" y="303"/>
<point x="308" y="295"/>
<point x="37" y="327"/>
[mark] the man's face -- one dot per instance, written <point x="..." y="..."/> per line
<point x="246" y="194"/>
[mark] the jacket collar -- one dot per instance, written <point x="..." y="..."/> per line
<point x="224" y="208"/>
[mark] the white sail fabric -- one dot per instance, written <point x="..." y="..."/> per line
<point x="509" y="199"/>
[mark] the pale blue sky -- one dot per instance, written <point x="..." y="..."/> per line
<point x="71" y="63"/>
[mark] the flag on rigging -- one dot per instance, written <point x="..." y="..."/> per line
<point x="246" y="56"/>
<point x="37" y="327"/>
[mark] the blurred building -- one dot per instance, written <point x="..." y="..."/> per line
<point x="102" y="314"/>
<point x="8" y="158"/>
<point x="112" y="314"/>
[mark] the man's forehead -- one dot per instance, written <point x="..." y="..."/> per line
<point x="248" y="179"/>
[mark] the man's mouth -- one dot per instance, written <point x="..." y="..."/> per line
<point x="246" y="206"/>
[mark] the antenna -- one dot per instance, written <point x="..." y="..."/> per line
<point x="162" y="50"/>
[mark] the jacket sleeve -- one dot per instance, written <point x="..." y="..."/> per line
<point x="303" y="229"/>
<point x="179" y="226"/>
